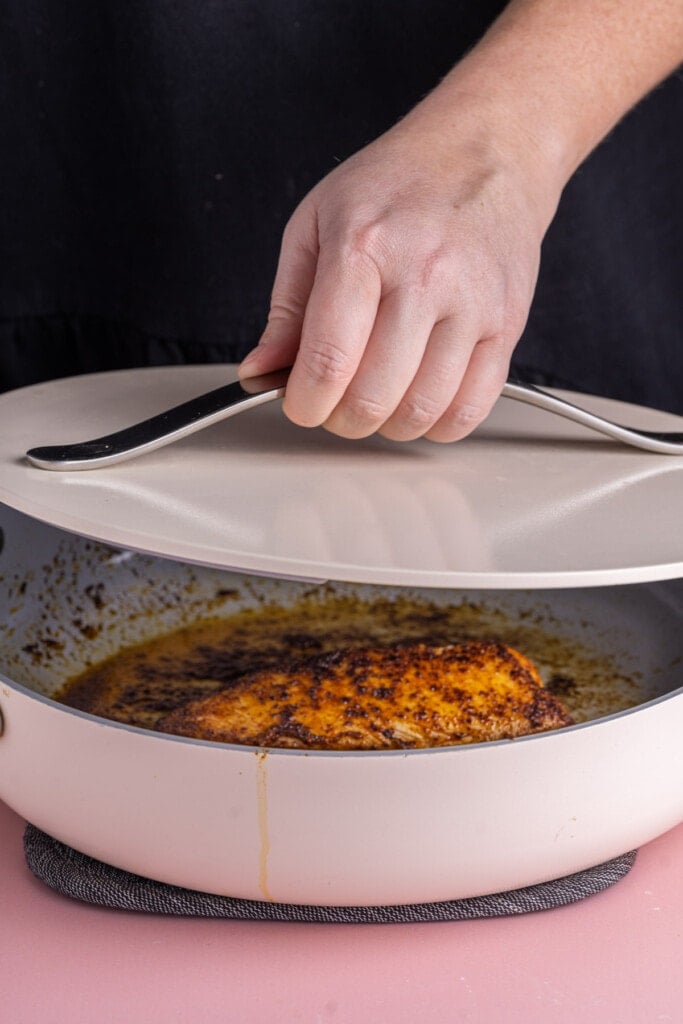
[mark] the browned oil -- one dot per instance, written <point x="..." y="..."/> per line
<point x="141" y="683"/>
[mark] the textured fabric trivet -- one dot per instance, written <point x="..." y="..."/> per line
<point x="81" y="877"/>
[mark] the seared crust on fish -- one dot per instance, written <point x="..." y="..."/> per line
<point x="375" y="698"/>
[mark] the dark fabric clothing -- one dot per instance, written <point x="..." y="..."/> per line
<point x="607" y="316"/>
<point x="152" y="153"/>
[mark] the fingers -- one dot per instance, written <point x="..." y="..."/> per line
<point x="487" y="370"/>
<point x="323" y="308"/>
<point x="363" y="363"/>
<point x="433" y="387"/>
<point x="371" y="362"/>
<point x="279" y="343"/>
<point x="458" y="381"/>
<point x="341" y="311"/>
<point x="366" y="364"/>
<point x="388" y="365"/>
<point x="411" y="383"/>
<point x="397" y="309"/>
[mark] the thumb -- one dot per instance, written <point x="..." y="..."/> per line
<point x="279" y="343"/>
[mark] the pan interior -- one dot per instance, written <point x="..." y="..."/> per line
<point x="68" y="603"/>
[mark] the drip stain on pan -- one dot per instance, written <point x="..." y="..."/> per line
<point x="262" y="812"/>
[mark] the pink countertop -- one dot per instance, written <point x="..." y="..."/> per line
<point x="612" y="959"/>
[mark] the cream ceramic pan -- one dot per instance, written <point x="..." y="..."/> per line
<point x="324" y="828"/>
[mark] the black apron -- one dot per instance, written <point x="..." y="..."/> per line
<point x="151" y="154"/>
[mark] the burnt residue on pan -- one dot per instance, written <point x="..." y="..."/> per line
<point x="88" y="601"/>
<point x="146" y="681"/>
<point x="131" y="637"/>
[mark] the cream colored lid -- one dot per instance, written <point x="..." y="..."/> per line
<point x="530" y="500"/>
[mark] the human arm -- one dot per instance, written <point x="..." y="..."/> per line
<point x="406" y="275"/>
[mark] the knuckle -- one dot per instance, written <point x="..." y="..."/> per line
<point x="466" y="415"/>
<point x="429" y="273"/>
<point x="435" y="268"/>
<point x="284" y="309"/>
<point x="498" y="348"/>
<point x="418" y="412"/>
<point x="364" y="247"/>
<point x="497" y="342"/>
<point x="364" y="410"/>
<point x="327" y="363"/>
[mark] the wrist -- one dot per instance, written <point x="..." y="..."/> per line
<point x="523" y="124"/>
<point x="465" y="127"/>
<point x="554" y="78"/>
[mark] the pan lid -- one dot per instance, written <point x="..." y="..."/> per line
<point x="529" y="500"/>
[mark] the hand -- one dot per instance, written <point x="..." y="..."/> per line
<point x="404" y="282"/>
<point x="406" y="275"/>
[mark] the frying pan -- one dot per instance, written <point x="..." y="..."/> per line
<point x="330" y="828"/>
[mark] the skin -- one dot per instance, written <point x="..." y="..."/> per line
<point x="406" y="275"/>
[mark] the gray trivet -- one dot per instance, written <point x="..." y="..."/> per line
<point x="76" y="875"/>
